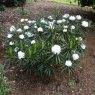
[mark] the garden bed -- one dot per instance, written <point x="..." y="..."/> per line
<point x="24" y="84"/>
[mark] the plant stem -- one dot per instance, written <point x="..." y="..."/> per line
<point x="21" y="45"/>
<point x="35" y="46"/>
<point x="10" y="52"/>
<point x="30" y="52"/>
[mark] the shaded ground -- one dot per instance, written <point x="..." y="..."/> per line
<point x="23" y="84"/>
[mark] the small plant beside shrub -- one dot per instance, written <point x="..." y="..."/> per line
<point x="71" y="83"/>
<point x="22" y="12"/>
<point x="4" y="90"/>
<point x="47" y="44"/>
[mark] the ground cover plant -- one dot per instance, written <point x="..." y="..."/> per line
<point x="4" y="89"/>
<point x="45" y="44"/>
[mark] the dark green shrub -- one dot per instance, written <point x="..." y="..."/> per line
<point x="11" y="3"/>
<point x="87" y="2"/>
<point x="41" y="46"/>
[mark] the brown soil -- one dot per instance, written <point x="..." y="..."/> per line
<point x="24" y="84"/>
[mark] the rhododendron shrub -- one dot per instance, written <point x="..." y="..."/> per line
<point x="40" y="46"/>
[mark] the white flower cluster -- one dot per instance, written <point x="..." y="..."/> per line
<point x="29" y="34"/>
<point x="66" y="15"/>
<point x="69" y="63"/>
<point x="72" y="18"/>
<point x="85" y="24"/>
<point x="9" y="36"/>
<point x="26" y="27"/>
<point x="21" y="55"/>
<point x="75" y="56"/>
<point x="40" y="29"/>
<point x="21" y="36"/>
<point x="12" y="29"/>
<point x="19" y="30"/>
<point x="11" y="43"/>
<point x="23" y="20"/>
<point x="56" y="49"/>
<point x="33" y="42"/>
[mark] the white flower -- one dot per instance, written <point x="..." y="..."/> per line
<point x="75" y="56"/>
<point x="19" y="30"/>
<point x="21" y="55"/>
<point x="22" y="20"/>
<point x="50" y="17"/>
<point x="79" y="38"/>
<point x="72" y="27"/>
<point x="66" y="15"/>
<point x="76" y="38"/>
<point x="40" y="29"/>
<point x="64" y="30"/>
<point x="51" y="25"/>
<point x="12" y="28"/>
<point x="59" y="21"/>
<point x="56" y="49"/>
<point x="9" y="35"/>
<point x="26" y="19"/>
<point x="33" y="21"/>
<point x="65" y="26"/>
<point x="85" y="24"/>
<point x="43" y="21"/>
<point x="16" y="49"/>
<point x="11" y="43"/>
<point x="29" y="34"/>
<point x="63" y="20"/>
<point x="21" y="36"/>
<point x="83" y="46"/>
<point x="29" y="21"/>
<point x="35" y="26"/>
<point x="33" y="42"/>
<point x="78" y="17"/>
<point x="68" y="63"/>
<point x="26" y="27"/>
<point x="72" y="18"/>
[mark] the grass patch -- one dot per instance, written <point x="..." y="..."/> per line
<point x="74" y="2"/>
<point x="29" y="1"/>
